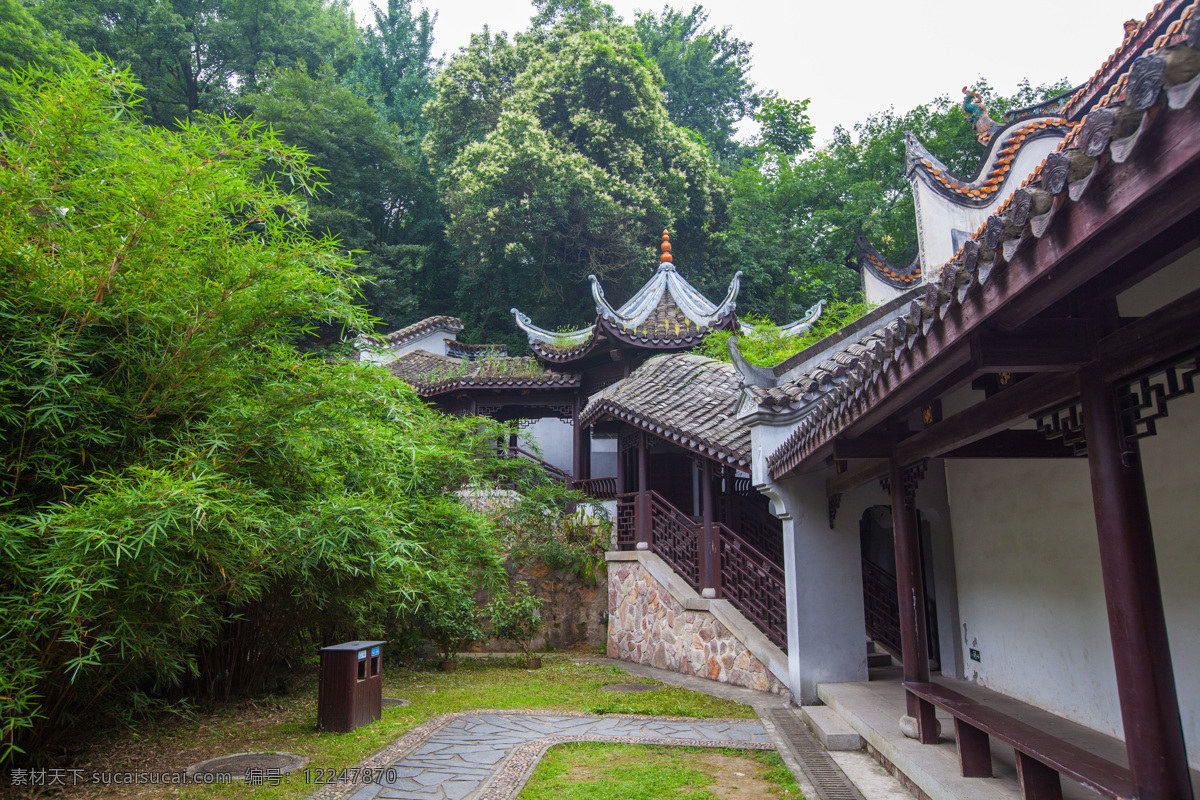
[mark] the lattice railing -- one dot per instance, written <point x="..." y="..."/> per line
<point x="882" y="606"/>
<point x="753" y="522"/>
<point x="597" y="488"/>
<point x="675" y="538"/>
<point x="627" y="522"/>
<point x="754" y="584"/>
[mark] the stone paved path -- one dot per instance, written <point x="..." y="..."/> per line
<point x="488" y="755"/>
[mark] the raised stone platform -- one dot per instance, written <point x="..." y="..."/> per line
<point x="655" y="618"/>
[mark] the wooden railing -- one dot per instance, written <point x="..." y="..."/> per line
<point x="505" y="451"/>
<point x="627" y="521"/>
<point x="745" y="576"/>
<point x="754" y="584"/>
<point x="751" y="517"/>
<point x="597" y="488"/>
<point x="881" y="605"/>
<point x="675" y="538"/>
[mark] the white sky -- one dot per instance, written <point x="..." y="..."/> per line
<point x="853" y="59"/>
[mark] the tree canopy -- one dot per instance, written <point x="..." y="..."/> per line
<point x="704" y="73"/>
<point x="571" y="172"/>
<point x="199" y="55"/>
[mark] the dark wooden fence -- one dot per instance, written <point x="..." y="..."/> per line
<point x="751" y="580"/>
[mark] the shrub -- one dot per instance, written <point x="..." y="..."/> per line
<point x="517" y="617"/>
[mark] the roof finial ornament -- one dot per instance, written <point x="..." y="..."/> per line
<point x="1131" y="27"/>
<point x="665" y="258"/>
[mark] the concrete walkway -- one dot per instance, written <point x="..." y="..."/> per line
<point x="489" y="755"/>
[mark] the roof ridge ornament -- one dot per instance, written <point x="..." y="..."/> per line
<point x="977" y="113"/>
<point x="665" y="259"/>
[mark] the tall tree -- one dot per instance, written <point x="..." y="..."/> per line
<point x="396" y="66"/>
<point x="705" y="73"/>
<point x="579" y="172"/>
<point x="374" y="189"/>
<point x="197" y="55"/>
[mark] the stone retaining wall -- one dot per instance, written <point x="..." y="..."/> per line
<point x="572" y="610"/>
<point x="648" y="625"/>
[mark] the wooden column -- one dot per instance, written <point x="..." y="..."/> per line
<point x="732" y="501"/>
<point x="577" y="469"/>
<point x="585" y="439"/>
<point x="910" y="588"/>
<point x="707" y="543"/>
<point x="1136" y="622"/>
<point x="643" y="498"/>
<point x="621" y="456"/>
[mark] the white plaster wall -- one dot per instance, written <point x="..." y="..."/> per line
<point x="1031" y="597"/>
<point x="938" y="214"/>
<point x="826" y="625"/>
<point x="433" y="341"/>
<point x="876" y="291"/>
<point x="1162" y="287"/>
<point x="553" y="437"/>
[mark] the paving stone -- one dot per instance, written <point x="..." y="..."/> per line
<point x="454" y="760"/>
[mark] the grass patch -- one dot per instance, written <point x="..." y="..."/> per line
<point x="287" y="723"/>
<point x="601" y="771"/>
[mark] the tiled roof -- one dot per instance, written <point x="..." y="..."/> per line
<point x="993" y="175"/>
<point x="1136" y="39"/>
<point x="431" y="374"/>
<point x="893" y="275"/>
<point x="473" y="351"/>
<point x="448" y="324"/>
<point x="1159" y="82"/>
<point x="684" y="398"/>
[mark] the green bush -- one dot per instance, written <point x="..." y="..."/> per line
<point x="189" y="502"/>
<point x="767" y="345"/>
<point x="516" y="617"/>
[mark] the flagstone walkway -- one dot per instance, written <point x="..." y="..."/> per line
<point x="489" y="755"/>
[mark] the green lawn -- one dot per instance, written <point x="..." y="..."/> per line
<point x="598" y="771"/>
<point x="288" y="723"/>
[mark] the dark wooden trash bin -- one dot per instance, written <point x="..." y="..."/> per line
<point x="350" y="689"/>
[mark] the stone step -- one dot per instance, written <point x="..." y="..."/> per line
<point x="879" y="660"/>
<point x="831" y="730"/>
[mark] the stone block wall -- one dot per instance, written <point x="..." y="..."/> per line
<point x="647" y="625"/>
<point x="572" y="610"/>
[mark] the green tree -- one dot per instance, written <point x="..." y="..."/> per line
<point x="579" y="172"/>
<point x="796" y="218"/>
<point x="705" y="73"/>
<point x="24" y="43"/>
<point x="377" y="196"/>
<point x="187" y="499"/>
<point x="396" y="67"/>
<point x="198" y="55"/>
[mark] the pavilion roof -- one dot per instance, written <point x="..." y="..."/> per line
<point x="683" y="398"/>
<point x="432" y="374"/>
<point x="667" y="313"/>
<point x="1098" y="167"/>
<point x="994" y="171"/>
